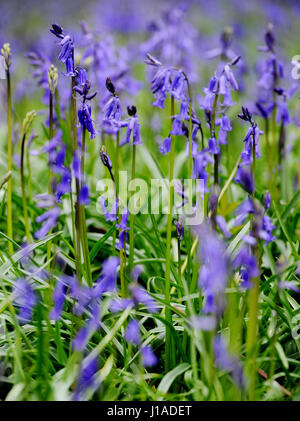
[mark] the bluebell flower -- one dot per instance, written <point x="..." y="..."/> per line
<point x="133" y="127"/>
<point x="251" y="140"/>
<point x="149" y="359"/>
<point x="220" y="220"/>
<point x="228" y="362"/>
<point x="165" y="146"/>
<point x="25" y="299"/>
<point x="64" y="185"/>
<point x="210" y="91"/>
<point x="80" y="76"/>
<point x="248" y="266"/>
<point x="66" y="54"/>
<point x="267" y="200"/>
<point x="105" y="159"/>
<point x="213" y="147"/>
<point x="84" y="198"/>
<point x="132" y="333"/>
<point x="41" y="63"/>
<point x="84" y="112"/>
<point x="224" y="51"/>
<point x="266" y="232"/>
<point x="270" y="72"/>
<point x="108" y="277"/>
<point x="87" y="378"/>
<point x="179" y="228"/>
<point x="91" y="325"/>
<point x="212" y="277"/>
<point x="167" y="80"/>
<point x="112" y="111"/>
<point x="140" y="296"/>
<point x="225" y="127"/>
<point x="45" y="200"/>
<point x="50" y="217"/>
<point x="201" y="160"/>
<point x="76" y="166"/>
<point x="59" y="297"/>
<point x="244" y="210"/>
<point x="109" y="215"/>
<point x="244" y="177"/>
<point x="122" y="225"/>
<point x="85" y="119"/>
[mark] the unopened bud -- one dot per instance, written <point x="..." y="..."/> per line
<point x="6" y="54"/>
<point x="52" y="78"/>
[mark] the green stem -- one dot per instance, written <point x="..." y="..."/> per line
<point x="212" y="130"/>
<point x="49" y="245"/>
<point x="131" y="233"/>
<point x="77" y="209"/>
<point x="116" y="181"/>
<point x="84" y="240"/>
<point x="251" y="341"/>
<point x="9" y="159"/>
<point x="26" y="220"/>
<point x="168" y="313"/>
<point x="29" y="184"/>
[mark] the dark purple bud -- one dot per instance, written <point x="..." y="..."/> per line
<point x="226" y="37"/>
<point x="148" y="356"/>
<point x="152" y="61"/>
<point x="246" y="115"/>
<point x="131" y="111"/>
<point x="105" y="158"/>
<point x="235" y="60"/>
<point x="246" y="179"/>
<point x="279" y="91"/>
<point x="109" y="86"/>
<point x="179" y="228"/>
<point x="262" y="110"/>
<point x="57" y="30"/>
<point x="267" y="200"/>
<point x="269" y="38"/>
<point x="89" y="97"/>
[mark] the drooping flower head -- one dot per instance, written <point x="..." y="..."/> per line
<point x="25" y="299"/>
<point x="66" y="54"/>
<point x="251" y="144"/>
<point x="167" y="80"/>
<point x="212" y="277"/>
<point x="112" y="110"/>
<point x="133" y="127"/>
<point x="225" y="361"/>
<point x="87" y="378"/>
<point x="84" y="112"/>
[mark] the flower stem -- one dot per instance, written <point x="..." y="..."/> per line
<point x="77" y="210"/>
<point x="212" y="130"/>
<point x="131" y="221"/>
<point x="26" y="220"/>
<point x="168" y="313"/>
<point x="251" y="342"/>
<point x="9" y="160"/>
<point x="116" y="181"/>
<point x="84" y="240"/>
<point x="49" y="245"/>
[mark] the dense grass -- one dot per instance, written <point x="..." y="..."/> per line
<point x="37" y="361"/>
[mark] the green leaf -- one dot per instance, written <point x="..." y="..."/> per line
<point x="19" y="254"/>
<point x="282" y="355"/>
<point x="169" y="378"/>
<point x="290" y="205"/>
<point x="97" y="247"/>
